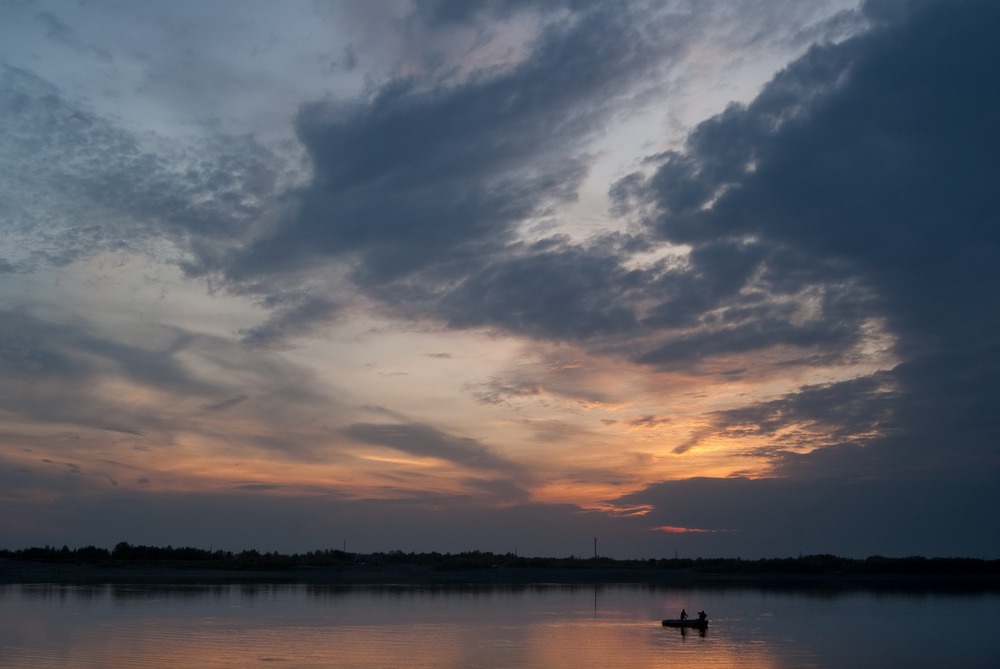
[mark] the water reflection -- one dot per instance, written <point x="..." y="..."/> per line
<point x="700" y="631"/>
<point x="112" y="592"/>
<point x="234" y="626"/>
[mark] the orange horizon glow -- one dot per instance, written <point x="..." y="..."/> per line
<point x="588" y="429"/>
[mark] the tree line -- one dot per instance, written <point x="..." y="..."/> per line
<point x="809" y="565"/>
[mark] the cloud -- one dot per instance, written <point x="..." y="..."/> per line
<point x="257" y="487"/>
<point x="864" y="173"/>
<point x="429" y="442"/>
<point x="422" y="190"/>
<point x="782" y="517"/>
<point x="154" y="385"/>
<point x="842" y="220"/>
<point x="294" y="314"/>
<point x="450" y="12"/>
<point x="673" y="529"/>
<point x="550" y="291"/>
<point x="649" y="422"/>
<point x="496" y="391"/>
<point x="427" y="176"/>
<point x="50" y="370"/>
<point x="468" y="161"/>
<point x="858" y="185"/>
<point x="861" y="407"/>
<point x="107" y="188"/>
<point x="225" y="404"/>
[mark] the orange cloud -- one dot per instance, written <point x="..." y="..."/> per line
<point x="673" y="529"/>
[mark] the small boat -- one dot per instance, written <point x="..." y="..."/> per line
<point x="688" y="622"/>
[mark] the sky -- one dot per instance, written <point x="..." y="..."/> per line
<point x="695" y="279"/>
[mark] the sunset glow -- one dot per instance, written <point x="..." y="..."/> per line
<point x="451" y="276"/>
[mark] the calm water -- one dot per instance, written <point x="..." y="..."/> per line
<point x="47" y="626"/>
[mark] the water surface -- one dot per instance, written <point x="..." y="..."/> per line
<point x="233" y="626"/>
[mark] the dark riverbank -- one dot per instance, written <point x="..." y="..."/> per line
<point x="363" y="575"/>
<point x="137" y="573"/>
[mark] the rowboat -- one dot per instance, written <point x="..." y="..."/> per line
<point x="688" y="622"/>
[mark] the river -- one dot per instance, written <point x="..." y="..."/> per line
<point x="552" y="626"/>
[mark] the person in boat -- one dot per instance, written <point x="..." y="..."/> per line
<point x="702" y="616"/>
<point x="684" y="614"/>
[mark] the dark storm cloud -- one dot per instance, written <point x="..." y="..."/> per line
<point x="551" y="291"/>
<point x="875" y="153"/>
<point x="726" y="298"/>
<point x="422" y="188"/>
<point x="871" y="165"/>
<point x="876" y="159"/>
<point x="747" y="326"/>
<point x="430" y="177"/>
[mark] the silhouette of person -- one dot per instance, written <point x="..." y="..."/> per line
<point x="684" y="614"/>
<point x="702" y="616"/>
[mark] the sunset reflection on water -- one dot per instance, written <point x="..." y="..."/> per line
<point x="47" y="627"/>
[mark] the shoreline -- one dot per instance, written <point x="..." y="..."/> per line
<point x="37" y="573"/>
<point x="362" y="575"/>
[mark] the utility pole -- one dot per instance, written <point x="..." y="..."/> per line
<point x="595" y="547"/>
